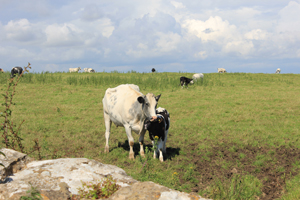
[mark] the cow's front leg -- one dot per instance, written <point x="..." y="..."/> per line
<point x="130" y="141"/>
<point x="107" y="131"/>
<point x="141" y="141"/>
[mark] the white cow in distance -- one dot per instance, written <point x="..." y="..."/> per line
<point x="221" y="70"/>
<point x="126" y="106"/>
<point x="278" y="71"/>
<point x="90" y="70"/>
<point x="74" y="69"/>
<point x="197" y="76"/>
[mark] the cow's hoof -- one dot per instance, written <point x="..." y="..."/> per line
<point x="161" y="159"/>
<point x="131" y="156"/>
<point x="106" y="150"/>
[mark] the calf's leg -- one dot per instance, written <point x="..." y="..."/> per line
<point x="154" y="154"/>
<point x="164" y="146"/>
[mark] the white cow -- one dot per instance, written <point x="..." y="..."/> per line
<point x="90" y="70"/>
<point x="197" y="76"/>
<point x="278" y="71"/>
<point x="126" y="106"/>
<point x="221" y="70"/>
<point x="74" y="69"/>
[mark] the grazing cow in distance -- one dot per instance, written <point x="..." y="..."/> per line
<point x="126" y="106"/>
<point x="158" y="130"/>
<point x="74" y="69"/>
<point x="1" y="70"/>
<point x="16" y="70"/>
<point x="90" y="70"/>
<point x="185" y="81"/>
<point x="197" y="76"/>
<point x="153" y="70"/>
<point x="221" y="70"/>
<point x="278" y="71"/>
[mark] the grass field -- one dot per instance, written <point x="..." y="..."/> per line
<point x="232" y="136"/>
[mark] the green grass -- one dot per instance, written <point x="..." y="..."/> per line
<point x="234" y="110"/>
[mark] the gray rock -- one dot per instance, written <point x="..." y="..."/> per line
<point x="13" y="162"/>
<point x="60" y="178"/>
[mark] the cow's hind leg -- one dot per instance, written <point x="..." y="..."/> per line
<point x="107" y="131"/>
<point x="130" y="141"/>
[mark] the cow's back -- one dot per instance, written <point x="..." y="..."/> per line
<point x="121" y="104"/>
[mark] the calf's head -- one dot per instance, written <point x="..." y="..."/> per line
<point x="149" y="103"/>
<point x="156" y="128"/>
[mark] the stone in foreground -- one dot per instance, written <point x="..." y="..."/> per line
<point x="60" y="178"/>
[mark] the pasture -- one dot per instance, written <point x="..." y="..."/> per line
<point x="232" y="135"/>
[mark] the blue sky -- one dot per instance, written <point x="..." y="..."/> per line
<point x="171" y="36"/>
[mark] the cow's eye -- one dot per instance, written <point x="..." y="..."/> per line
<point x="147" y="104"/>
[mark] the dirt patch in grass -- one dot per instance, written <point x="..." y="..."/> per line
<point x="272" y="166"/>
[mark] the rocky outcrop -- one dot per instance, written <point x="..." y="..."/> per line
<point x="13" y="162"/>
<point x="60" y="178"/>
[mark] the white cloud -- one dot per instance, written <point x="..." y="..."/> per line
<point x="289" y="18"/>
<point x="138" y="32"/>
<point x="63" y="35"/>
<point x="240" y="47"/>
<point x="202" y="55"/>
<point x="21" y="30"/>
<point x="213" y="29"/>
<point x="256" y="34"/>
<point x="142" y="46"/>
<point x="167" y="42"/>
<point x="91" y="12"/>
<point x="104" y="26"/>
<point x="177" y="4"/>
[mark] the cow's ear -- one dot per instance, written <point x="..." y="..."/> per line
<point x="157" y="97"/>
<point x="141" y="99"/>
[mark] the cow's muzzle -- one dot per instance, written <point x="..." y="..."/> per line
<point x="153" y="118"/>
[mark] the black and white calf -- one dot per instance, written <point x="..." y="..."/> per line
<point x="153" y="70"/>
<point x="185" y="81"/>
<point x="158" y="130"/>
<point x="16" y="70"/>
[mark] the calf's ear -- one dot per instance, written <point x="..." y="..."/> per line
<point x="141" y="99"/>
<point x="157" y="97"/>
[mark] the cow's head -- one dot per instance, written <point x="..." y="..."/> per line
<point x="149" y="103"/>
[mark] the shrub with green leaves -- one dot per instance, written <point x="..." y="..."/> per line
<point x="102" y="189"/>
<point x="34" y="194"/>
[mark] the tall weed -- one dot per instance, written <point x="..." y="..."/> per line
<point x="11" y="134"/>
